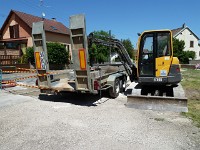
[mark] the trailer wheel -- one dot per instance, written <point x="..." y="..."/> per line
<point x="115" y="92"/>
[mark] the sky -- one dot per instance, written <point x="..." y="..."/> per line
<point x="125" y="18"/>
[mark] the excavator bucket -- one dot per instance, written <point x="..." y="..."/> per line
<point x="177" y="103"/>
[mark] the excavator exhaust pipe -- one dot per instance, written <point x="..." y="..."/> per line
<point x="178" y="103"/>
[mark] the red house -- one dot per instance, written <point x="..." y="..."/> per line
<point x="15" y="35"/>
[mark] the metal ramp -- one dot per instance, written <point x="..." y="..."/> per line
<point x="40" y="53"/>
<point x="80" y="58"/>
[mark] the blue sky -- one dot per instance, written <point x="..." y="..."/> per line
<point x="125" y="18"/>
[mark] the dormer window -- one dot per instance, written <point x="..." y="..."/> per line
<point x="54" y="28"/>
<point x="14" y="31"/>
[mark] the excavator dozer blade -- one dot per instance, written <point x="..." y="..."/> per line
<point x="178" y="103"/>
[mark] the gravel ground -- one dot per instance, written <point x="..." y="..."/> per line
<point x="87" y="122"/>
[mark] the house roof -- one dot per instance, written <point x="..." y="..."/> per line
<point x="49" y="25"/>
<point x="176" y="32"/>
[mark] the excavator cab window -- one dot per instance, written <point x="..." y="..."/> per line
<point x="163" y="44"/>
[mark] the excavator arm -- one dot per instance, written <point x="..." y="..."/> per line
<point x="129" y="66"/>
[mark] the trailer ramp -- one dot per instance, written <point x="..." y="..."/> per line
<point x="178" y="103"/>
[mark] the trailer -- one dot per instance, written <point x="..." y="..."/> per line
<point x="81" y="78"/>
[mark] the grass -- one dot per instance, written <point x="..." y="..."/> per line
<point x="191" y="85"/>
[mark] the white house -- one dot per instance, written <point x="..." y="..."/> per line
<point x="191" y="40"/>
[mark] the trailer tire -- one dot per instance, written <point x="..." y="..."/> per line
<point x="115" y="92"/>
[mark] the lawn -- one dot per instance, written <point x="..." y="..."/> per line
<point x="191" y="85"/>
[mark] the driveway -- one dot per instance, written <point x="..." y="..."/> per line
<point x="88" y="122"/>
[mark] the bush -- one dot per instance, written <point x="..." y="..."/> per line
<point x="23" y="59"/>
<point x="57" y="54"/>
<point x="30" y="55"/>
<point x="183" y="56"/>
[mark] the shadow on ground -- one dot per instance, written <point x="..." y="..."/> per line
<point x="76" y="98"/>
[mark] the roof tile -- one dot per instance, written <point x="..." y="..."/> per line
<point x="175" y="31"/>
<point x="49" y="25"/>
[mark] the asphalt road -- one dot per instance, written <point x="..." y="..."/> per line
<point x="87" y="122"/>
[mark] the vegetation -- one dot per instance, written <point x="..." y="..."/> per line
<point x="183" y="56"/>
<point x="129" y="47"/>
<point x="101" y="53"/>
<point x="191" y="82"/>
<point x="30" y="55"/>
<point x="57" y="54"/>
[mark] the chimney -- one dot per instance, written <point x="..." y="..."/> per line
<point x="54" y="19"/>
<point x="184" y="25"/>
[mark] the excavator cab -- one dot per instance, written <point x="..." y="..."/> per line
<point x="156" y="64"/>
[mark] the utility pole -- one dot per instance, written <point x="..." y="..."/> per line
<point x="110" y="46"/>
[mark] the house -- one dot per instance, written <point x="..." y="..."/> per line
<point x="15" y="33"/>
<point x="190" y="38"/>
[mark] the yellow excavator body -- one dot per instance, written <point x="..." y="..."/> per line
<point x="158" y="73"/>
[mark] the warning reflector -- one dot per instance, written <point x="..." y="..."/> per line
<point x="82" y="59"/>
<point x="37" y="59"/>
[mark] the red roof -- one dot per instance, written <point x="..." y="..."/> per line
<point x="49" y="25"/>
<point x="175" y="31"/>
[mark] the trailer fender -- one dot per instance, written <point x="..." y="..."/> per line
<point x="111" y="79"/>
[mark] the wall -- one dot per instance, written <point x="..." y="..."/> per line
<point x="55" y="37"/>
<point x="61" y="38"/>
<point x="187" y="36"/>
<point x="24" y="30"/>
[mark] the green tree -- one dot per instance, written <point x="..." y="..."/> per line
<point x="129" y="47"/>
<point x="100" y="53"/>
<point x="183" y="56"/>
<point x="178" y="47"/>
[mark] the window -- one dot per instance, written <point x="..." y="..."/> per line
<point x="1" y="45"/>
<point x="163" y="41"/>
<point x="54" y="28"/>
<point x="12" y="45"/>
<point x="191" y="43"/>
<point x="14" y="31"/>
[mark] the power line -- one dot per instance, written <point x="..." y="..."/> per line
<point x="44" y="9"/>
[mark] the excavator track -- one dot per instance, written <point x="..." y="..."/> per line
<point x="176" y="102"/>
